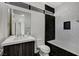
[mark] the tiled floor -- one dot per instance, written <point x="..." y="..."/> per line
<point x="57" y="51"/>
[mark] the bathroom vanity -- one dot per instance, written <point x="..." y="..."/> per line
<point x="22" y="43"/>
<point x="18" y="47"/>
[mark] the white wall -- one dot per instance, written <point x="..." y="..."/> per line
<point x="38" y="25"/>
<point x="37" y="21"/>
<point x="3" y="23"/>
<point x="68" y="12"/>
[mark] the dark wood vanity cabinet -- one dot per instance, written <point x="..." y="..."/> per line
<point x="21" y="49"/>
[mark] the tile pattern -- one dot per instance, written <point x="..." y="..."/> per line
<point x="57" y="51"/>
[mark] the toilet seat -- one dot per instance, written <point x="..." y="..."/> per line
<point x="44" y="48"/>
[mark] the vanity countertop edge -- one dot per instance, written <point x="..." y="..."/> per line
<point x="11" y="40"/>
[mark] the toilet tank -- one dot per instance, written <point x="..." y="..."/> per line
<point x="40" y="42"/>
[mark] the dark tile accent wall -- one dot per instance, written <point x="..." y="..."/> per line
<point x="49" y="8"/>
<point x="57" y="51"/>
<point x="49" y="27"/>
<point x="49" y="24"/>
<point x="19" y="4"/>
<point x="36" y="9"/>
<point x="49" y="13"/>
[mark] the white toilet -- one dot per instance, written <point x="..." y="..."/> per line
<point x="44" y="50"/>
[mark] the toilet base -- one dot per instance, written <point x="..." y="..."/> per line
<point x="43" y="54"/>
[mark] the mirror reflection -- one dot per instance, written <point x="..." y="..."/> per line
<point x="21" y="23"/>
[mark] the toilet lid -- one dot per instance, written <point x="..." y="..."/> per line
<point x="44" y="48"/>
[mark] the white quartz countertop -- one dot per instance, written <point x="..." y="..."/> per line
<point x="13" y="40"/>
<point x="69" y="47"/>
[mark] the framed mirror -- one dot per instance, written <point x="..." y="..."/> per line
<point x="20" y="22"/>
<point x="67" y="25"/>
